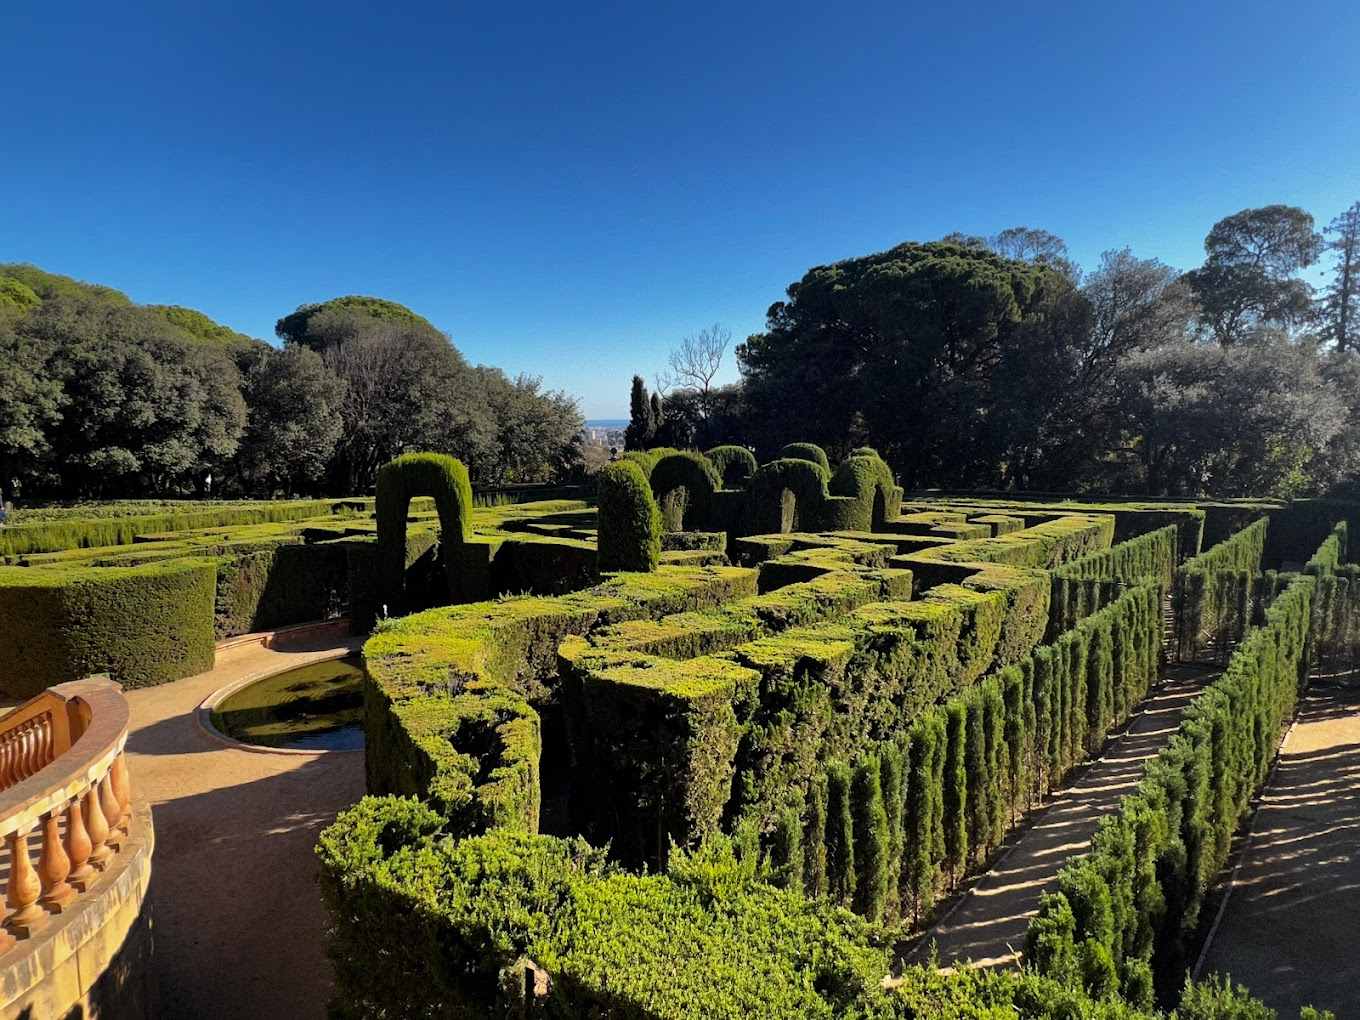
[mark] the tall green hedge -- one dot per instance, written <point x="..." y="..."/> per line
<point x="142" y="625"/>
<point x="1212" y="592"/>
<point x="630" y="523"/>
<point x="683" y="485"/>
<point x="1131" y="906"/>
<point x="967" y="767"/>
<point x="400" y="480"/>
<point x="1084" y="585"/>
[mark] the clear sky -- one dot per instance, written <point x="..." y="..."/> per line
<point x="568" y="189"/>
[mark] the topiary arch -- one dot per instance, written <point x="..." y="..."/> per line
<point x="683" y="485"/>
<point x="419" y="474"/>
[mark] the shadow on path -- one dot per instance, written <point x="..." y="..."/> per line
<point x="1290" y="925"/>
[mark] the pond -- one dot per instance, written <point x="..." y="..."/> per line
<point x="312" y="708"/>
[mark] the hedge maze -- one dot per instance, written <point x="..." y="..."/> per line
<point x="798" y="720"/>
<point x="707" y="744"/>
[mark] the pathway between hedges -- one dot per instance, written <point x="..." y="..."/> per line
<point x="237" y="921"/>
<point x="1289" y="926"/>
<point x="988" y="924"/>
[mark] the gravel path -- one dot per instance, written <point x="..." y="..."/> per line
<point x="1289" y="926"/>
<point x="988" y="925"/>
<point x="238" y="923"/>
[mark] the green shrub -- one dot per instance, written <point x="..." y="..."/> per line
<point x="630" y="524"/>
<point x="734" y="464"/>
<point x="399" y="480"/>
<point x="806" y="451"/>
<point x="683" y="485"/>
<point x="143" y="625"/>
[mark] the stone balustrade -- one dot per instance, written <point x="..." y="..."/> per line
<point x="64" y="793"/>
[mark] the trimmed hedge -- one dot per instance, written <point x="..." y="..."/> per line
<point x="1083" y="586"/>
<point x="955" y="774"/>
<point x="806" y="451"/>
<point x="94" y="532"/>
<point x="734" y="464"/>
<point x="630" y="524"/>
<point x="1126" y="912"/>
<point x="400" y="480"/>
<point x="142" y="625"/>
<point x="683" y="484"/>
<point x="1212" y="592"/>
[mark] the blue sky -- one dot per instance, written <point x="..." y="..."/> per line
<point x="568" y="189"/>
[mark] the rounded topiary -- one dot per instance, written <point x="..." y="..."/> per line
<point x="629" y="522"/>
<point x="806" y="451"/>
<point x="419" y="474"/>
<point x="734" y="464"/>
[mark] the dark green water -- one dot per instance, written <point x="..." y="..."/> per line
<point x="311" y="708"/>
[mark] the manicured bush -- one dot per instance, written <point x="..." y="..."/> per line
<point x="399" y="480"/>
<point x="806" y="451"/>
<point x="840" y="835"/>
<point x="734" y="464"/>
<point x="1085" y="585"/>
<point x="143" y="625"/>
<point x="871" y="838"/>
<point x="630" y="524"/>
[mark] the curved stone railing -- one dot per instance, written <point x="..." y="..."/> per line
<point x="64" y="790"/>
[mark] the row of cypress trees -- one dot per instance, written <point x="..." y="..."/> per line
<point x="1125" y="913"/>
<point x="1213" y="593"/>
<point x="887" y="833"/>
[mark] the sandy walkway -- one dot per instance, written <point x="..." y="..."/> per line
<point x="988" y="925"/>
<point x="238" y="923"/>
<point x="1289" y="927"/>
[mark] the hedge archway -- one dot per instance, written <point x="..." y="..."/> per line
<point x="399" y="481"/>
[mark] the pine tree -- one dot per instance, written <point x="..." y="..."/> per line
<point x="1340" y="306"/>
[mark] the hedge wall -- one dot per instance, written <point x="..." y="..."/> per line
<point x="92" y="532"/>
<point x="1083" y="586"/>
<point x="142" y="625"/>
<point x="1125" y="913"/>
<point x="630" y="523"/>
<point x="448" y="693"/>
<point x="955" y="775"/>
<point x="1212" y="593"/>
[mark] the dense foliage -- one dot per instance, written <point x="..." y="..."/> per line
<point x="996" y="362"/>
<point x="102" y="397"/>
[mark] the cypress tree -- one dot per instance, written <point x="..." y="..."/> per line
<point x="656" y="417"/>
<point x="786" y="853"/>
<point x="977" y="814"/>
<point x="639" y="429"/>
<point x="994" y="722"/>
<point x="956" y="789"/>
<point x="870" y="839"/>
<point x="893" y="760"/>
<point x="840" y="835"/>
<point x="814" y="845"/>
<point x="917" y="884"/>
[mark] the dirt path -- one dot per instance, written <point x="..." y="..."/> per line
<point x="988" y="924"/>
<point x="1289" y="925"/>
<point x="237" y="920"/>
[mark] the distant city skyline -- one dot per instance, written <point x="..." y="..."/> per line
<point x="568" y="194"/>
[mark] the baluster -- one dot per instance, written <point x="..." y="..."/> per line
<point x="97" y="827"/>
<point x="22" y="890"/>
<point x="53" y="868"/>
<point x="30" y="749"/>
<point x="21" y="757"/>
<point x="7" y="761"/>
<point x="113" y="814"/>
<point x="78" y="847"/>
<point x="122" y="788"/>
